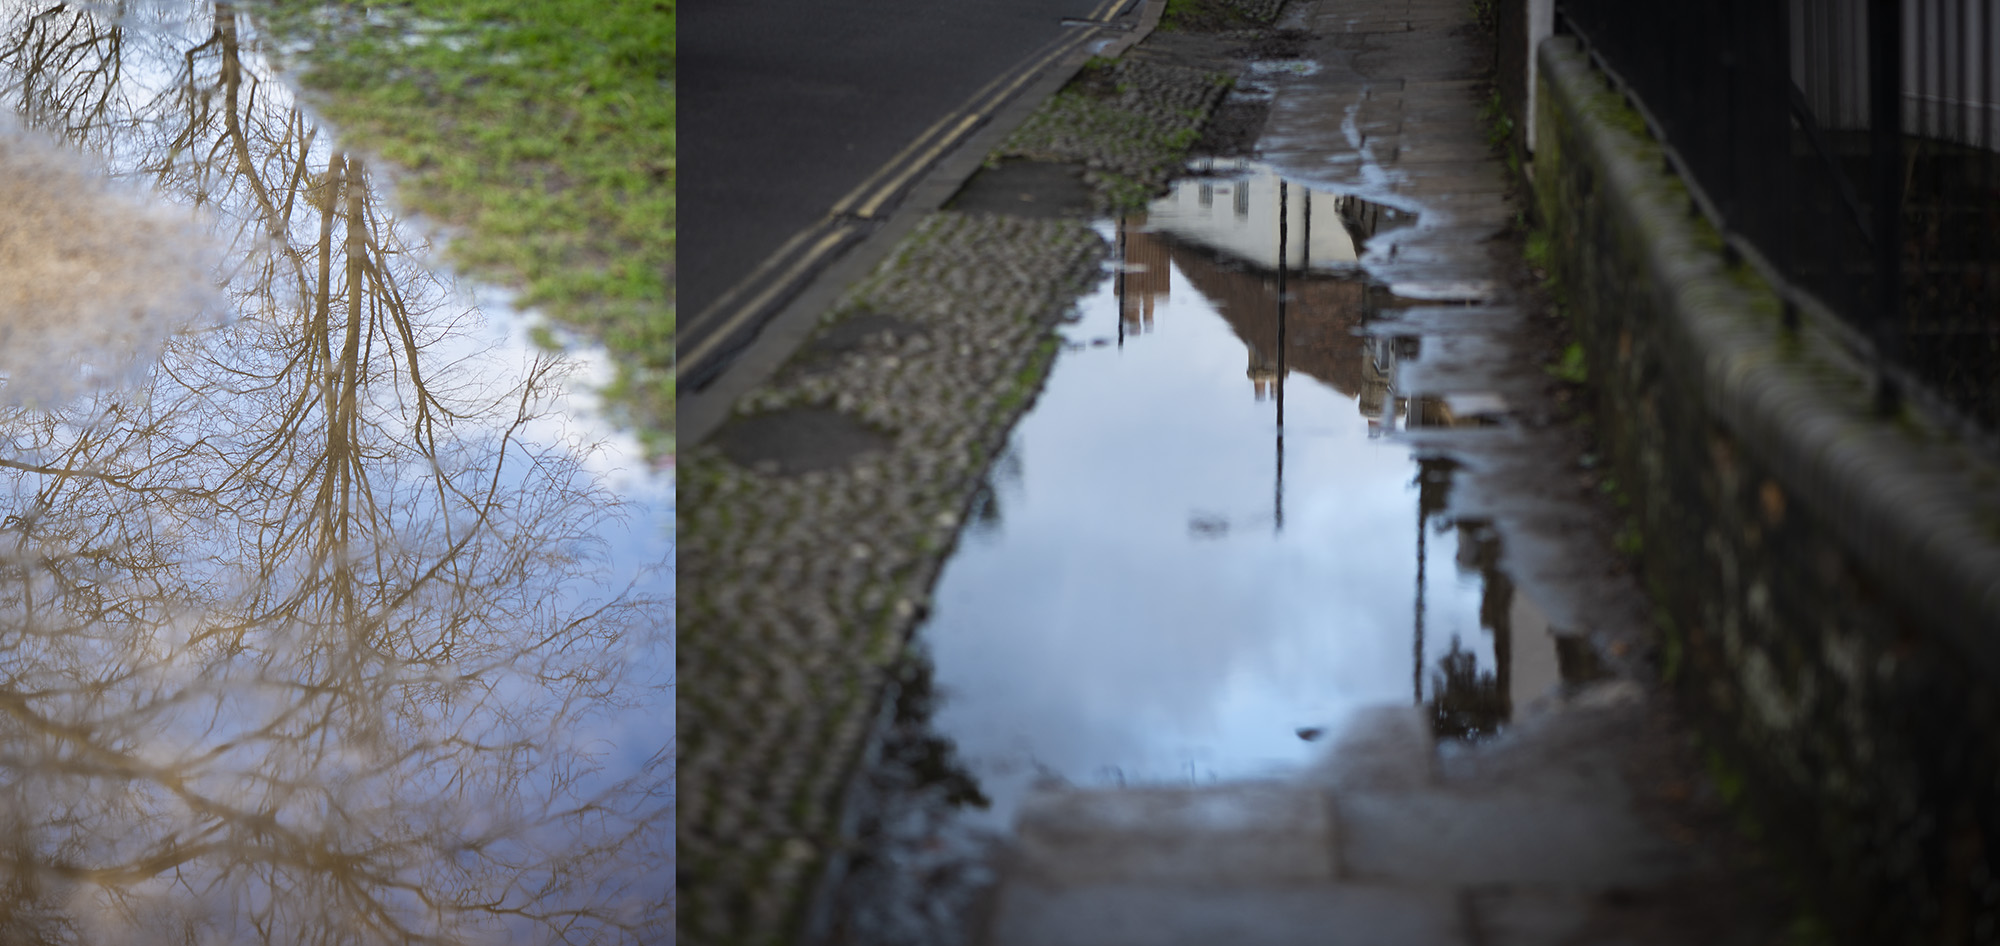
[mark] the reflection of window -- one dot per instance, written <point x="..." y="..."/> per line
<point x="1206" y="194"/>
<point x="1243" y="199"/>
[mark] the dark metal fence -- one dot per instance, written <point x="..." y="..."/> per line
<point x="1851" y="147"/>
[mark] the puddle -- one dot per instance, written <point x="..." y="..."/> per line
<point x="797" y="440"/>
<point x="341" y="617"/>
<point x="1198" y="553"/>
<point x="1202" y="551"/>
<point x="1284" y="67"/>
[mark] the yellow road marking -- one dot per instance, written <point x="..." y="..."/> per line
<point x="867" y="185"/>
<point x="721" y="334"/>
<point x="753" y="278"/>
<point x="980" y="105"/>
<point x="888" y="190"/>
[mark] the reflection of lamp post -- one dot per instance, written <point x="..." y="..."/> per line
<point x="1124" y="261"/>
<point x="1278" y="492"/>
<point x="1417" y="661"/>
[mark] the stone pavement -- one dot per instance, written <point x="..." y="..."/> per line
<point x="1589" y="821"/>
<point x="1557" y="835"/>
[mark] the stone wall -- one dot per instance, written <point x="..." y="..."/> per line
<point x="1827" y="581"/>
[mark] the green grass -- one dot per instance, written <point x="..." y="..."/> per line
<point x="543" y="133"/>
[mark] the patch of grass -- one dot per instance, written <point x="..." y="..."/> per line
<point x="1204" y="16"/>
<point x="544" y="133"/>
<point x="1177" y="13"/>
<point x="1124" y="194"/>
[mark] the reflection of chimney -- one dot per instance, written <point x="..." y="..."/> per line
<point x="1263" y="375"/>
<point x="1378" y="365"/>
<point x="1149" y="272"/>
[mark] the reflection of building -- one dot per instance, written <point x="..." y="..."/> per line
<point x="1145" y="277"/>
<point x="1530" y="656"/>
<point x="1236" y="212"/>
<point x="1227" y="234"/>
<point x="1321" y="317"/>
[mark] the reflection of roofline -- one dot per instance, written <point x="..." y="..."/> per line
<point x="1223" y="268"/>
<point x="1381" y="216"/>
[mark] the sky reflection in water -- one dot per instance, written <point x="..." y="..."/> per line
<point x="1148" y="598"/>
<point x="341" y="623"/>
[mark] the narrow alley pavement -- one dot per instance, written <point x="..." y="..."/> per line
<point x="1537" y="787"/>
<point x="1585" y="822"/>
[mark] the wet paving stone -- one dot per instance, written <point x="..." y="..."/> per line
<point x="797" y="440"/>
<point x="1027" y="189"/>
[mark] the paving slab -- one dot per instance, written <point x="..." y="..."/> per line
<point x="1144" y="915"/>
<point x="1227" y="836"/>
<point x="1383" y="748"/>
<point x="1563" y="830"/>
<point x="1476" y="837"/>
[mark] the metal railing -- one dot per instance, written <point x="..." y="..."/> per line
<point x="1852" y="148"/>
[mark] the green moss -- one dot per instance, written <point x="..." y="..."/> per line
<point x="1537" y="250"/>
<point x="1028" y="380"/>
<point x="1629" y="540"/>
<point x="1499" y="125"/>
<point x="1609" y="107"/>
<point x="543" y="132"/>
<point x="1572" y="367"/>
<point x="1728" y="780"/>
<point x="1672" y="649"/>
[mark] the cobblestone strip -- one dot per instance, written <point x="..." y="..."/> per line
<point x="799" y="591"/>
<point x="1133" y="139"/>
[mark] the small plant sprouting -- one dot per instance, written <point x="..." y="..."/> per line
<point x="1571" y="368"/>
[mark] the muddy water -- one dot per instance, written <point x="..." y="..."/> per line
<point x="333" y="616"/>
<point x="1204" y="547"/>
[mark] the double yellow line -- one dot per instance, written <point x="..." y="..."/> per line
<point x="781" y="272"/>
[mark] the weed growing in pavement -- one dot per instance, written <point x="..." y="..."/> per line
<point x="1499" y="125"/>
<point x="1572" y="367"/>
<point x="1484" y="13"/>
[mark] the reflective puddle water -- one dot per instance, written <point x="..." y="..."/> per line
<point x="1199" y="552"/>
<point x="333" y="617"/>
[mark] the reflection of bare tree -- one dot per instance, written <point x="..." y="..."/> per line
<point x="1466" y="703"/>
<point x="298" y="641"/>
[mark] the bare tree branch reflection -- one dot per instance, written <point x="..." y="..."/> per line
<point x="304" y="640"/>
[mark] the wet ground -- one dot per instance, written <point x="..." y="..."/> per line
<point x="329" y="609"/>
<point x="1170" y="581"/>
<point x="1204" y="549"/>
<point x="1291" y="611"/>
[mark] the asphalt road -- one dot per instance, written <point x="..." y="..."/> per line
<point x="786" y="106"/>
